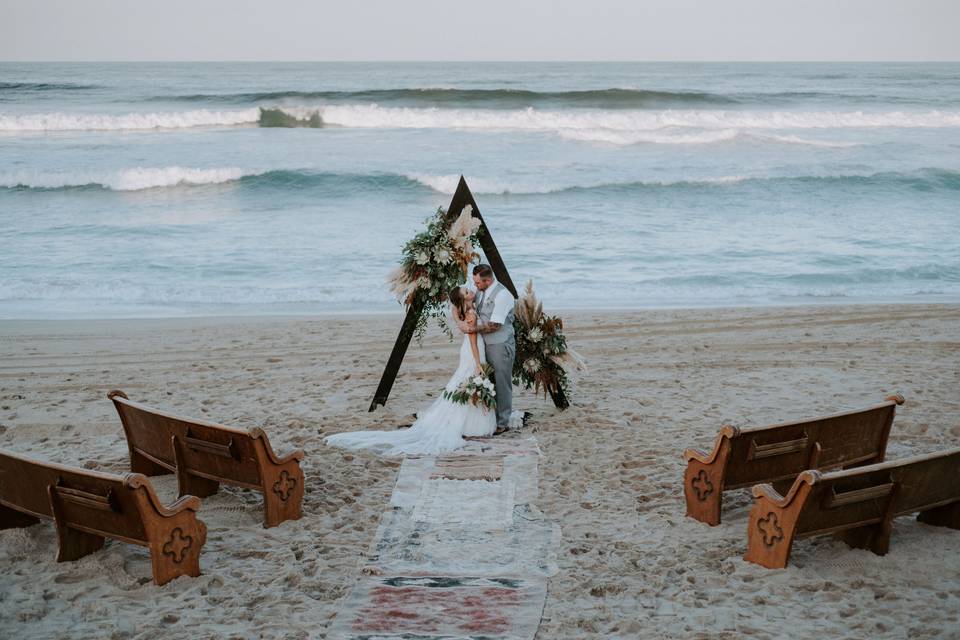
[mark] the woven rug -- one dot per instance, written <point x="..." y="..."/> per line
<point x="442" y="607"/>
<point x="462" y="553"/>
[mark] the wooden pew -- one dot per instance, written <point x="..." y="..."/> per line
<point x="88" y="506"/>
<point x="742" y="457"/>
<point x="857" y="505"/>
<point x="204" y="454"/>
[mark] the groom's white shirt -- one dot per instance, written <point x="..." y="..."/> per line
<point x="502" y="304"/>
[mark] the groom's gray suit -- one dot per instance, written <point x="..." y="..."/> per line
<point x="501" y="347"/>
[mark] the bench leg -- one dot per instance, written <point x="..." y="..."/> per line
<point x="282" y="493"/>
<point x="771" y="530"/>
<point x="139" y="463"/>
<point x="875" y="537"/>
<point x="74" y="544"/>
<point x="191" y="485"/>
<point x="703" y="490"/>
<point x="175" y="548"/>
<point x="13" y="519"/>
<point x="946" y="516"/>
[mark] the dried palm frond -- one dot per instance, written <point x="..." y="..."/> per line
<point x="462" y="228"/>
<point x="401" y="285"/>
<point x="571" y="358"/>
<point x="528" y="309"/>
<point x="460" y="234"/>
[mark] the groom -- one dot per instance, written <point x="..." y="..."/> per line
<point x="495" y="322"/>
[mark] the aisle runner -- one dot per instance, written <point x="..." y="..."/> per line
<point x="462" y="553"/>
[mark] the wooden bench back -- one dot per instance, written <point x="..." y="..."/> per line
<point x="208" y="450"/>
<point x="98" y="503"/>
<point x="843" y="499"/>
<point x="771" y="453"/>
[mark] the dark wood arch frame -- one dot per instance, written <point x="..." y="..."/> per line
<point x="461" y="198"/>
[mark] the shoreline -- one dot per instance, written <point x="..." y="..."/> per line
<point x="19" y="324"/>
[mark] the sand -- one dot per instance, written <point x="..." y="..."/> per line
<point x="630" y="564"/>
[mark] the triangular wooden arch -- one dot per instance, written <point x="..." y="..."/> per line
<point x="461" y="198"/>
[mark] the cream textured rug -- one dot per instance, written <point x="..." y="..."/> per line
<point x="463" y="552"/>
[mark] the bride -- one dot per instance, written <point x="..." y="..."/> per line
<point x="442" y="426"/>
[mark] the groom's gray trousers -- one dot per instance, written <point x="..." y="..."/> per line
<point x="501" y="356"/>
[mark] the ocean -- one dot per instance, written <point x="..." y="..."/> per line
<point x="134" y="190"/>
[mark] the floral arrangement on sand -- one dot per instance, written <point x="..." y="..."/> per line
<point x="542" y="354"/>
<point x="434" y="261"/>
<point x="477" y="390"/>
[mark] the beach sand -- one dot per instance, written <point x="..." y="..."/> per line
<point x="631" y="564"/>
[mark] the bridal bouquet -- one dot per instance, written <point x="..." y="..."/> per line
<point x="477" y="390"/>
<point x="542" y="353"/>
<point x="435" y="261"/>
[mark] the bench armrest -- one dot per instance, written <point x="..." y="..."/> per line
<point x="296" y="454"/>
<point x="726" y="431"/>
<point x="767" y="491"/>
<point x="184" y="503"/>
<point x="696" y="454"/>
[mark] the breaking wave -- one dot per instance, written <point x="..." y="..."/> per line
<point x="135" y="179"/>
<point x="570" y="123"/>
<point x="333" y="183"/>
<point x="131" y="121"/>
<point x="924" y="179"/>
<point x="373" y="116"/>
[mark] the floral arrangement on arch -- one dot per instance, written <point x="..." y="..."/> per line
<point x="542" y="354"/>
<point x="436" y="260"/>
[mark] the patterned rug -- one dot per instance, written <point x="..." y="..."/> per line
<point x="463" y="552"/>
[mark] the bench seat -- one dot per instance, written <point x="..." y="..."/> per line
<point x="204" y="454"/>
<point x="89" y="506"/>
<point x="856" y="505"/>
<point x="742" y="457"/>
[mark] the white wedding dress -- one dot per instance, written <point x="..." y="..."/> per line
<point x="438" y="429"/>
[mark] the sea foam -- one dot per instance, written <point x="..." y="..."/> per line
<point x="134" y="179"/>
<point x="130" y="121"/>
<point x="374" y="116"/>
<point x="602" y="124"/>
<point x="447" y="184"/>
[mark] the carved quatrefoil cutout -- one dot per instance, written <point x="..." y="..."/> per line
<point x="770" y="529"/>
<point x="701" y="485"/>
<point x="284" y="486"/>
<point x="177" y="545"/>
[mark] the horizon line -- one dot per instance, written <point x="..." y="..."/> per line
<point x="491" y="61"/>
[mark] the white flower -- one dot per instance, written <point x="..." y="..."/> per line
<point x="535" y="334"/>
<point x="442" y="256"/>
<point x="488" y="385"/>
<point x="423" y="282"/>
<point x="422" y="257"/>
<point x="477" y="380"/>
<point x="532" y="365"/>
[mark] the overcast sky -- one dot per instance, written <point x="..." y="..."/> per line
<point x="480" y="30"/>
